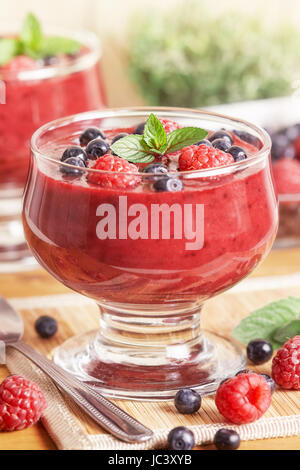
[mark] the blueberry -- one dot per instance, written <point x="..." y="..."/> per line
<point x="181" y="438"/>
<point x="204" y="142"/>
<point x="46" y="326"/>
<point x="221" y="135"/>
<point x="72" y="152"/>
<point x="187" y="401"/>
<point x="97" y="148"/>
<point x="139" y="128"/>
<point x="281" y="145"/>
<point x="270" y="382"/>
<point x="259" y="351"/>
<point x="227" y="439"/>
<point x="221" y="144"/>
<point x="118" y="137"/>
<point x="168" y="183"/>
<point x="75" y="161"/>
<point x="238" y="153"/>
<point x="249" y="138"/>
<point x="158" y="169"/>
<point x="91" y="133"/>
<point x="245" y="371"/>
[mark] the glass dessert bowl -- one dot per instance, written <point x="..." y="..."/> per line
<point x="148" y="252"/>
<point x="34" y="92"/>
<point x="286" y="172"/>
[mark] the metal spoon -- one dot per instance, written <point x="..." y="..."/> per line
<point x="104" y="412"/>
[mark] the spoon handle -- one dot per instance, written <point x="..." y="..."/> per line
<point x="104" y="412"/>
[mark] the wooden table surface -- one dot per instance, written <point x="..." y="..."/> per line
<point x="38" y="282"/>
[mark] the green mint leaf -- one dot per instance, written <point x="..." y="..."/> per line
<point x="287" y="332"/>
<point x="133" y="148"/>
<point x="9" y="48"/>
<point x="266" y="321"/>
<point x="154" y="133"/>
<point x="31" y="35"/>
<point x="54" y="45"/>
<point x="184" y="137"/>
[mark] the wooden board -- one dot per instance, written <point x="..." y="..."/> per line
<point x="230" y="308"/>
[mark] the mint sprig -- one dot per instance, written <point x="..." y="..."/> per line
<point x="31" y="36"/>
<point x="155" y="141"/>
<point x="9" y="48"/>
<point x="34" y="44"/>
<point x="275" y="322"/>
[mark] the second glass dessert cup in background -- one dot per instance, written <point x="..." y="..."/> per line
<point x="33" y="97"/>
<point x="149" y="259"/>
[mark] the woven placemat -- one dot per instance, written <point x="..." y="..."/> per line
<point x="70" y="429"/>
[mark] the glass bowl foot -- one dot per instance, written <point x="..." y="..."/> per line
<point x="150" y="373"/>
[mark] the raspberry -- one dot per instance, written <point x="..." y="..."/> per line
<point x="287" y="176"/>
<point x="22" y="403"/>
<point x="244" y="398"/>
<point x="286" y="365"/>
<point x="21" y="62"/>
<point x="113" y="167"/>
<point x="201" y="157"/>
<point x="169" y="125"/>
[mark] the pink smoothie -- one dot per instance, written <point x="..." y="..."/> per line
<point x="32" y="103"/>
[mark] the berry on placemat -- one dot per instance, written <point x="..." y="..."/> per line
<point x="259" y="351"/>
<point x="286" y="365"/>
<point x="22" y="403"/>
<point x="46" y="326"/>
<point x="227" y="439"/>
<point x="201" y="157"/>
<point x="74" y="152"/>
<point x="243" y="398"/>
<point x="91" y="133"/>
<point x="97" y="148"/>
<point x="181" y="438"/>
<point x="187" y="401"/>
<point x="113" y="168"/>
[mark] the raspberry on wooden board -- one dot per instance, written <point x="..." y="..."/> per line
<point x="22" y="403"/>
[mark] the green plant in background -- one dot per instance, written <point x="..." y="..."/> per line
<point x="190" y="57"/>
